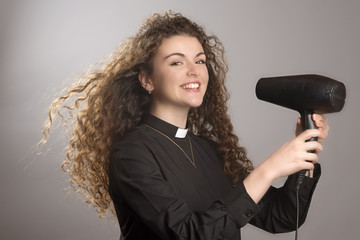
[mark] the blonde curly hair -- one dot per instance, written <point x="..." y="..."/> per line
<point x="110" y="102"/>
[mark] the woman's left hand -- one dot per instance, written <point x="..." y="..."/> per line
<point x="320" y="122"/>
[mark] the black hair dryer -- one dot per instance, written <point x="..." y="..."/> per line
<point x="306" y="94"/>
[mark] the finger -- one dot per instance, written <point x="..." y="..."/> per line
<point x="311" y="158"/>
<point x="313" y="146"/>
<point x="324" y="134"/>
<point x="320" y="120"/>
<point x="298" y="121"/>
<point x="298" y="128"/>
<point x="309" y="133"/>
<point x="308" y="165"/>
<point x="316" y="116"/>
<point x="323" y="127"/>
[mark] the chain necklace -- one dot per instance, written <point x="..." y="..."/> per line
<point x="192" y="161"/>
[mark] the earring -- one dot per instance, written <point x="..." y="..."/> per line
<point x="149" y="91"/>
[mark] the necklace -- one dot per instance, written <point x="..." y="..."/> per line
<point x="192" y="161"/>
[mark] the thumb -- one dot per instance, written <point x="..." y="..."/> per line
<point x="298" y="129"/>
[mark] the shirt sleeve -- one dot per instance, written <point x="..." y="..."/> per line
<point x="136" y="179"/>
<point x="278" y="213"/>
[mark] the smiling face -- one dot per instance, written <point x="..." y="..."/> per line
<point x="179" y="78"/>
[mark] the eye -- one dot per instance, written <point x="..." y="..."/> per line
<point x="200" y="62"/>
<point x="177" y="63"/>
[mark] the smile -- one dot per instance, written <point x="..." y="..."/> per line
<point x="191" y="86"/>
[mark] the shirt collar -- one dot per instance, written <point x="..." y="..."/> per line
<point x="165" y="127"/>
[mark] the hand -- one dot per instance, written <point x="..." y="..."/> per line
<point x="288" y="159"/>
<point x="293" y="155"/>
<point x="320" y="122"/>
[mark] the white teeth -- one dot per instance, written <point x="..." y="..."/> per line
<point x="191" y="86"/>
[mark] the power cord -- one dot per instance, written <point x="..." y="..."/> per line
<point x="297" y="213"/>
<point x="300" y="180"/>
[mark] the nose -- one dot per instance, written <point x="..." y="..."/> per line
<point x="193" y="69"/>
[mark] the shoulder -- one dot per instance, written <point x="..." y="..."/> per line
<point x="133" y="142"/>
<point x="133" y="153"/>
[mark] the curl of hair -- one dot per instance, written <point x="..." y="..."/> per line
<point x="111" y="101"/>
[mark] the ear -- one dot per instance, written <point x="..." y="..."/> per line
<point x="146" y="82"/>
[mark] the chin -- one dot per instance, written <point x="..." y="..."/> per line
<point x="195" y="104"/>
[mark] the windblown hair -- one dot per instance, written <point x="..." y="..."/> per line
<point x="110" y="102"/>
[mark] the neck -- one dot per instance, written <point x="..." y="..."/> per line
<point x="173" y="116"/>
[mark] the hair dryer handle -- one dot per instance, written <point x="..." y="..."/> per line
<point x="308" y="123"/>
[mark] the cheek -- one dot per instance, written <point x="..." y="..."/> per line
<point x="159" y="79"/>
<point x="165" y="82"/>
<point x="206" y="78"/>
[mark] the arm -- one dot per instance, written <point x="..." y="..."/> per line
<point x="278" y="212"/>
<point x="279" y="205"/>
<point x="289" y="159"/>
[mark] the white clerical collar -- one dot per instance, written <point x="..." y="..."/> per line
<point x="181" y="133"/>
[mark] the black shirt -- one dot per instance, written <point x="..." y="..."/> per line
<point x="159" y="194"/>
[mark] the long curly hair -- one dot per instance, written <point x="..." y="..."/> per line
<point x="109" y="102"/>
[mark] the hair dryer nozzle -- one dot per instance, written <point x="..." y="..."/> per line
<point x="303" y="93"/>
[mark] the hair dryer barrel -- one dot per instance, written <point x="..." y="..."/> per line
<point x="303" y="93"/>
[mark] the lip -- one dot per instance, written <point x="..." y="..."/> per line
<point x="191" y="89"/>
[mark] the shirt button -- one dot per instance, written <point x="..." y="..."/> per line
<point x="249" y="213"/>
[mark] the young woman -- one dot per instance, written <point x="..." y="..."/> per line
<point x="154" y="139"/>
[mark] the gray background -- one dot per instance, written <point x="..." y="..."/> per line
<point x="44" y="44"/>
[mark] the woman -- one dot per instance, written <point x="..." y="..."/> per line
<point x="154" y="139"/>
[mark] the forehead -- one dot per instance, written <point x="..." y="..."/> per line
<point x="186" y="45"/>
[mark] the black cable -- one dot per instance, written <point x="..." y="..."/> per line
<point x="297" y="212"/>
<point x="300" y="180"/>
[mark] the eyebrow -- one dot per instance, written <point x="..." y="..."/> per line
<point x="182" y="55"/>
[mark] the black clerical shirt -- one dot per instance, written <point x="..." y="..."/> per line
<point x="159" y="194"/>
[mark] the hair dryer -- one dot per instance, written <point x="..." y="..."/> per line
<point x="306" y="94"/>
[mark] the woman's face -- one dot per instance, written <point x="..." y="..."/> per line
<point x="180" y="76"/>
